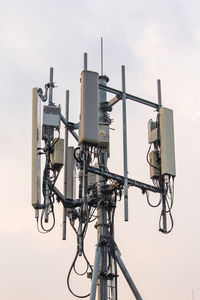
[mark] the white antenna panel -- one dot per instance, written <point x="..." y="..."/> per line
<point x="89" y="119"/>
<point x="167" y="148"/>
<point x="71" y="183"/>
<point x="36" y="143"/>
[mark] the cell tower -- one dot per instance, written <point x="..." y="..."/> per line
<point x="98" y="188"/>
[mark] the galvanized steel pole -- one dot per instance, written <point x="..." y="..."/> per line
<point x="95" y="273"/>
<point x="51" y="87"/>
<point x="127" y="275"/>
<point x="66" y="165"/>
<point x="124" y="145"/>
<point x="85" y="62"/>
<point x="163" y="183"/>
<point x="159" y="92"/>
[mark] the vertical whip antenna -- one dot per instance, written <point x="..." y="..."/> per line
<point x="102" y="56"/>
<point x="85" y="61"/>
<point x="159" y="92"/>
<point x="51" y="87"/>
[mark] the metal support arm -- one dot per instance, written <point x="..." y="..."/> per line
<point x="126" y="274"/>
<point x="68" y="203"/>
<point x="120" y="179"/>
<point x="128" y="96"/>
<point x="69" y="128"/>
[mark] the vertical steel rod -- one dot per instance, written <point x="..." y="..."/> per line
<point x="159" y="92"/>
<point x="163" y="181"/>
<point x="85" y="62"/>
<point x="102" y="56"/>
<point x="95" y="272"/>
<point x="66" y="165"/>
<point x="127" y="275"/>
<point x="51" y="87"/>
<point x="125" y="145"/>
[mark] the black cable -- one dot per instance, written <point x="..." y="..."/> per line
<point x="43" y="232"/>
<point x="88" y="266"/>
<point x="69" y="273"/>
<point x="77" y="158"/>
<point x="53" y="216"/>
<point x="92" y="215"/>
<point x="147" y="158"/>
<point x="148" y="201"/>
<point x="171" y="219"/>
<point x="56" y="140"/>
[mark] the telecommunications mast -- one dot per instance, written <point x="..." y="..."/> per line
<point x="98" y="189"/>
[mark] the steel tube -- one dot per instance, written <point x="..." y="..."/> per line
<point x="129" y="96"/>
<point x="95" y="272"/>
<point x="120" y="179"/>
<point x="159" y="92"/>
<point x="164" y="214"/>
<point x="51" y="87"/>
<point x="102" y="56"/>
<point x="71" y="130"/>
<point x="127" y="275"/>
<point x="65" y="166"/>
<point x="125" y="145"/>
<point x="85" y="62"/>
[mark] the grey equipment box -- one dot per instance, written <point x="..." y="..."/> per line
<point x="104" y="135"/>
<point x="89" y="118"/>
<point x="154" y="165"/>
<point x="51" y="116"/>
<point x="167" y="148"/>
<point x="57" y="157"/>
<point x="152" y="132"/>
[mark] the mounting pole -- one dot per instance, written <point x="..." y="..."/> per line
<point x="102" y="213"/>
<point x="125" y="145"/>
<point x="66" y="165"/>
<point x="127" y="275"/>
<point x="85" y="62"/>
<point x="101" y="56"/>
<point x="95" y="272"/>
<point x="51" y="87"/>
<point x="159" y="92"/>
<point x="163" y="194"/>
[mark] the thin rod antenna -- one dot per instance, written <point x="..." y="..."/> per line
<point x="51" y="87"/>
<point x="163" y="196"/>
<point x="125" y="145"/>
<point x="102" y="56"/>
<point x="159" y="92"/>
<point x="66" y="165"/>
<point x="85" y="62"/>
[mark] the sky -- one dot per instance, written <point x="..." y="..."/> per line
<point x="154" y="40"/>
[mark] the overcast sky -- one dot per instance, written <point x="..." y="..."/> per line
<point x="153" y="39"/>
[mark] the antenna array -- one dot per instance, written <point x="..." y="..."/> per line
<point x="98" y="189"/>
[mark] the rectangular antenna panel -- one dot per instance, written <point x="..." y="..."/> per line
<point x="36" y="143"/>
<point x="89" y="118"/>
<point x="167" y="148"/>
<point x="71" y="184"/>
